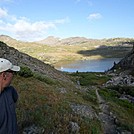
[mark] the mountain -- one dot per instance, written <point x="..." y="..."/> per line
<point x="57" y="52"/>
<point x="7" y="38"/>
<point x="50" y="41"/>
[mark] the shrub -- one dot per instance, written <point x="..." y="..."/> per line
<point x="44" y="78"/>
<point x="25" y="72"/>
<point x="88" y="78"/>
<point x="123" y="89"/>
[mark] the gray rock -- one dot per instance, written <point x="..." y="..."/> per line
<point x="62" y="90"/>
<point x="74" y="127"/>
<point x="84" y="111"/>
<point x="121" y="80"/>
<point x="33" y="130"/>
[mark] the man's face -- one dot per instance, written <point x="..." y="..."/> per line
<point x="5" y="79"/>
<point x="9" y="77"/>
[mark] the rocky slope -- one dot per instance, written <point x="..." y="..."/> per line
<point x="127" y="62"/>
<point x="34" y="64"/>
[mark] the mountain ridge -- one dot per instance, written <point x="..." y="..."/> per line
<point x="56" y="51"/>
<point x="52" y="40"/>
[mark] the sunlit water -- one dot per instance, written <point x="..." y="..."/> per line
<point x="100" y="65"/>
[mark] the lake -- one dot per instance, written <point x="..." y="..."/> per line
<point x="99" y="65"/>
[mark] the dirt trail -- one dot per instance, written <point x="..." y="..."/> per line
<point x="106" y="117"/>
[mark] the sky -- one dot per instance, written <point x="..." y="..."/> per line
<point x="33" y="20"/>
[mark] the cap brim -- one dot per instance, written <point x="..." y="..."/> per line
<point x="15" y="68"/>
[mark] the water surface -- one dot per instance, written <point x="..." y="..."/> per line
<point x="99" y="65"/>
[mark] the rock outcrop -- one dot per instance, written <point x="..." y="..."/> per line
<point x="127" y="62"/>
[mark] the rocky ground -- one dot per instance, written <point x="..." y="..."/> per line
<point x="108" y="119"/>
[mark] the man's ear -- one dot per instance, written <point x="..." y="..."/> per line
<point x="4" y="75"/>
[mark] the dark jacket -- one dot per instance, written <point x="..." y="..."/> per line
<point x="8" y="121"/>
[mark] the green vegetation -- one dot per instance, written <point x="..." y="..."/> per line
<point x="45" y="79"/>
<point x="25" y="72"/>
<point x="123" y="109"/>
<point x="91" y="78"/>
<point x="41" y="103"/>
<point x="90" y="96"/>
<point x="129" y="90"/>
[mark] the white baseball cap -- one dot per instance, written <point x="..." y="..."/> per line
<point x="7" y="65"/>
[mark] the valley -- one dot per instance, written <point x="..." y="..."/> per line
<point x="59" y="51"/>
<point x="51" y="101"/>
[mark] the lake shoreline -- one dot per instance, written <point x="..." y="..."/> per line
<point x="92" y="65"/>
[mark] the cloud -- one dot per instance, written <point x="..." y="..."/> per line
<point x="94" y="16"/>
<point x="24" y="29"/>
<point x="32" y="31"/>
<point x="3" y="13"/>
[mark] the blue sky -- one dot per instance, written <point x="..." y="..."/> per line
<point x="32" y="20"/>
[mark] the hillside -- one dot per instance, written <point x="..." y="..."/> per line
<point x="34" y="64"/>
<point x="48" y="101"/>
<point x="56" y="51"/>
<point x="52" y="102"/>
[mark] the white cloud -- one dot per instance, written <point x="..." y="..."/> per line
<point x="94" y="16"/>
<point x="3" y="13"/>
<point x="24" y="29"/>
<point x="31" y="31"/>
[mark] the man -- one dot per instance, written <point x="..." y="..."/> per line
<point x="8" y="97"/>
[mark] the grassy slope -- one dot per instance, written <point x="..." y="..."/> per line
<point x="43" y="104"/>
<point x="55" y="54"/>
